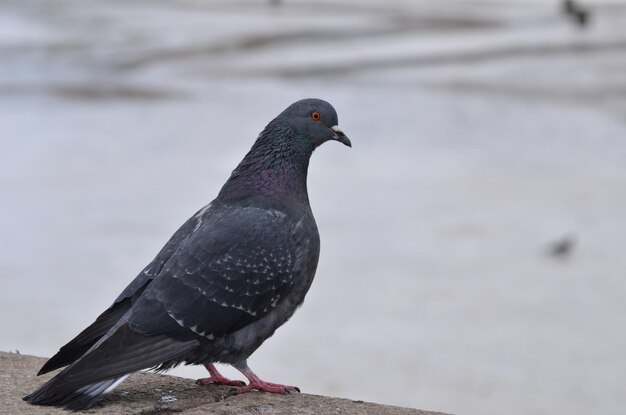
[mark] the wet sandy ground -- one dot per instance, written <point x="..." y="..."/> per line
<point x="483" y="133"/>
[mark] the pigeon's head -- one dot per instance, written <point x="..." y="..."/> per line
<point x="278" y="161"/>
<point x="313" y="120"/>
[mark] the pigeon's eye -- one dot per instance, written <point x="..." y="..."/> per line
<point x="316" y="115"/>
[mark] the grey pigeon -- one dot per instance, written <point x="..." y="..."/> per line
<point x="576" y="12"/>
<point x="225" y="281"/>
<point x="562" y="248"/>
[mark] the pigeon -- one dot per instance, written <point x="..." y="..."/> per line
<point x="224" y="282"/>
<point x="576" y="12"/>
<point x="562" y="248"/>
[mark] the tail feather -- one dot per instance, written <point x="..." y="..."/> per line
<point x="80" y="399"/>
<point x="90" y="378"/>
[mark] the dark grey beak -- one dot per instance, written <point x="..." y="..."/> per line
<point x="340" y="136"/>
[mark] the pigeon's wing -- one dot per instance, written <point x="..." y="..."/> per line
<point x="234" y="270"/>
<point x="88" y="337"/>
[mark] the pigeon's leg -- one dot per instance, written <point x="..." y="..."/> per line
<point x="257" y="384"/>
<point x="217" y="378"/>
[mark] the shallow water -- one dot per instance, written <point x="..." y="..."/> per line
<point x="482" y="132"/>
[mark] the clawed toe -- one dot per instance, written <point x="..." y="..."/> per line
<point x="217" y="378"/>
<point x="291" y="389"/>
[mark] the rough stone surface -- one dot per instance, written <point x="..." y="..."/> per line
<point x="149" y="393"/>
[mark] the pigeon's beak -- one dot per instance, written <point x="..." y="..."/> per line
<point x="340" y="136"/>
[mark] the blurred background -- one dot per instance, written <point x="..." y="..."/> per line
<point x="473" y="238"/>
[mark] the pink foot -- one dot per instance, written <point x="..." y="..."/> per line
<point x="263" y="386"/>
<point x="216" y="378"/>
<point x="260" y="385"/>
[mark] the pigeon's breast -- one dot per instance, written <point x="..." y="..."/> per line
<point x="279" y="269"/>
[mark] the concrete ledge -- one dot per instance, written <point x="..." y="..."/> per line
<point x="149" y="393"/>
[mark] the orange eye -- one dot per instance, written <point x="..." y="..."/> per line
<point x="316" y="115"/>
